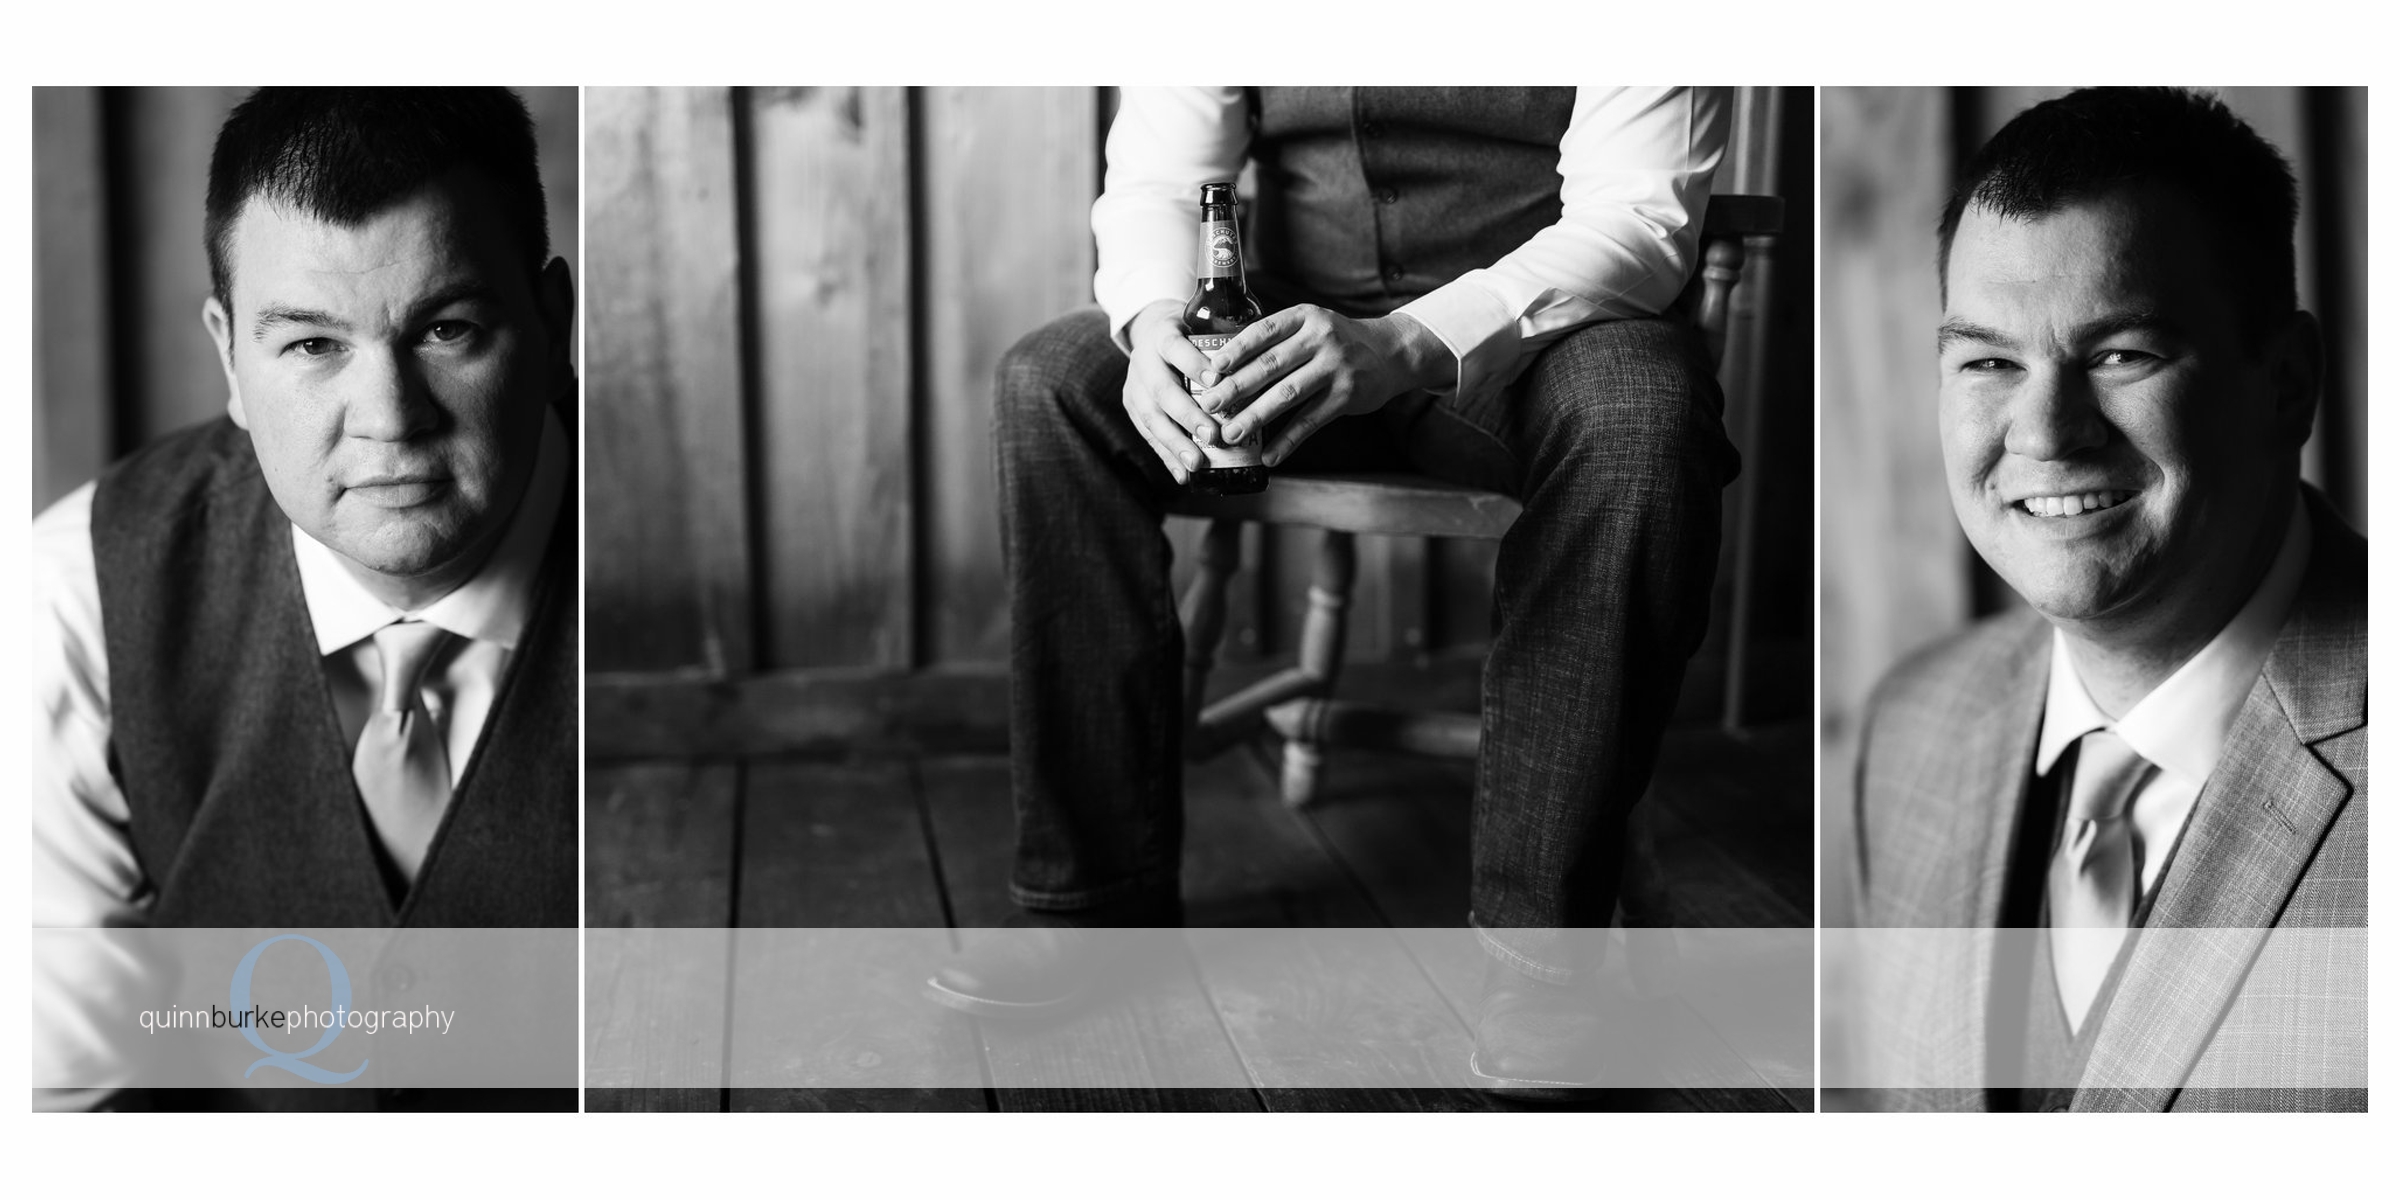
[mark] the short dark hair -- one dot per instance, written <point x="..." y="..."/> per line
<point x="2092" y="142"/>
<point x="343" y="154"/>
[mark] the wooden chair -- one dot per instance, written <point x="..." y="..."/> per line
<point x="1297" y="702"/>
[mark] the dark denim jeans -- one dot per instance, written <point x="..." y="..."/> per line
<point x="1613" y="442"/>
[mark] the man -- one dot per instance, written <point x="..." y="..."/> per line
<point x="314" y="663"/>
<point x="1471" y="283"/>
<point x="2165" y="758"/>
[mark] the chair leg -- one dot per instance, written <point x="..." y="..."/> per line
<point x="1322" y="633"/>
<point x="1204" y="615"/>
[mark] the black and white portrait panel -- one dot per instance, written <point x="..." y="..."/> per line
<point x="305" y="561"/>
<point x="2095" y="642"/>
<point x="1140" y="549"/>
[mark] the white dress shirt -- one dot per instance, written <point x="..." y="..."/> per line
<point x="2181" y="726"/>
<point x="85" y="872"/>
<point x="1634" y="169"/>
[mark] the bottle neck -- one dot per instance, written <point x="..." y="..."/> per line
<point x="1220" y="247"/>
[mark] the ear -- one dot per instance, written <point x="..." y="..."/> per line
<point x="2297" y="375"/>
<point x="220" y="335"/>
<point x="555" y="297"/>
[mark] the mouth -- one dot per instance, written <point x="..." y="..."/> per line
<point x="400" y="491"/>
<point x="2072" y="504"/>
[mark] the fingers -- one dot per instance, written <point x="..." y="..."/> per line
<point x="1163" y="413"/>
<point x="1181" y="354"/>
<point x="1281" y="395"/>
<point x="1264" y="343"/>
<point x="1169" y="396"/>
<point x="1309" y="419"/>
<point x="1165" y="440"/>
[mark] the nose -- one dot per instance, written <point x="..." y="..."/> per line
<point x="387" y="399"/>
<point x="2053" y="416"/>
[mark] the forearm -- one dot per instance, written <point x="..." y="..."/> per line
<point x="1636" y="168"/>
<point x="1163" y="144"/>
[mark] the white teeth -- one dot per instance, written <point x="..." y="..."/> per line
<point x="2073" y="505"/>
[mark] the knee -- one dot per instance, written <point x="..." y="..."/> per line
<point x="1053" y="370"/>
<point x="1635" y="397"/>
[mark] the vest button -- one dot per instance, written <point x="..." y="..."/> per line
<point x="1370" y="129"/>
<point x="1387" y="196"/>
<point x="1393" y="272"/>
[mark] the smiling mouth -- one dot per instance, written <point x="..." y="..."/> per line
<point x="2073" y="504"/>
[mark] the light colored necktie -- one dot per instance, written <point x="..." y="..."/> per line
<point x="2094" y="878"/>
<point x="402" y="767"/>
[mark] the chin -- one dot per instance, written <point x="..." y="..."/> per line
<point x="412" y="549"/>
<point x="2071" y="595"/>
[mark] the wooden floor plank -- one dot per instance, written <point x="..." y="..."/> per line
<point x="1338" y="1022"/>
<point x="1250" y="862"/>
<point x="829" y="850"/>
<point x="1752" y="795"/>
<point x="1665" y="1057"/>
<point x="1154" y="1045"/>
<point x="658" y="853"/>
<point x="1400" y="824"/>
<point x="658" y="846"/>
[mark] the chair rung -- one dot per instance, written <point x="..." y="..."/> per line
<point x="1393" y="505"/>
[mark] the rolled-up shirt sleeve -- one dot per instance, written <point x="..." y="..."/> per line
<point x="1164" y="143"/>
<point x="1635" y="167"/>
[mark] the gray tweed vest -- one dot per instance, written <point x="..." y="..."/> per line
<point x="1371" y="197"/>
<point x="225" y="741"/>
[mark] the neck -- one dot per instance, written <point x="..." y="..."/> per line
<point x="2122" y="660"/>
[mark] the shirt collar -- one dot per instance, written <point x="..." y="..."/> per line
<point x="2182" y="724"/>
<point x="491" y="606"/>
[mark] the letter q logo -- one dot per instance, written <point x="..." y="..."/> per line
<point x="284" y="1059"/>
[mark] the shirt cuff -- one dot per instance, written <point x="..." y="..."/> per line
<point x="1139" y="288"/>
<point x="1479" y="330"/>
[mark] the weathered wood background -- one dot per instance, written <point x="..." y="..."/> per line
<point x="1897" y="571"/>
<point x="119" y="181"/>
<point x="798" y="297"/>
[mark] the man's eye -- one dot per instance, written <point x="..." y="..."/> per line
<point x="2125" y="358"/>
<point x="449" y="333"/>
<point x="1985" y="366"/>
<point x="313" y="347"/>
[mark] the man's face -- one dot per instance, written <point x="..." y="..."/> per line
<point x="2114" y="447"/>
<point x="391" y="374"/>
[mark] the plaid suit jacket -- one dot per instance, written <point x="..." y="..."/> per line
<point x="2277" y="842"/>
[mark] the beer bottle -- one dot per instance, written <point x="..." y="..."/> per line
<point x="1221" y="307"/>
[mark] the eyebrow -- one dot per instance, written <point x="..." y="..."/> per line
<point x="274" y="316"/>
<point x="2137" y="321"/>
<point x="1955" y="330"/>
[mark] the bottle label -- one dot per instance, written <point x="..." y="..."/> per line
<point x="1250" y="451"/>
<point x="1220" y="249"/>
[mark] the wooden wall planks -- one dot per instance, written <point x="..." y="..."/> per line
<point x="74" y="418"/>
<point x="667" y="576"/>
<point x="1006" y="246"/>
<point x="829" y="266"/>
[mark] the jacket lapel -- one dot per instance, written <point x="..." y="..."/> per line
<point x="1973" y="805"/>
<point x="2254" y="831"/>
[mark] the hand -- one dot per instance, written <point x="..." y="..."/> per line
<point x="1155" y="396"/>
<point x="1307" y="365"/>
